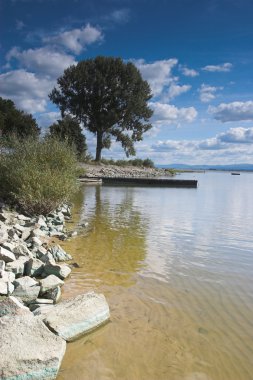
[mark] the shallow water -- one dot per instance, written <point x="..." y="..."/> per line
<point x="176" y="268"/>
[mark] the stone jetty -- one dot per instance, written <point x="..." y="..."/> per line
<point x="34" y="325"/>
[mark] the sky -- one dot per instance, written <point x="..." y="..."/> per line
<point x="196" y="55"/>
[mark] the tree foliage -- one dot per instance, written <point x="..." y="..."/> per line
<point x="14" y="122"/>
<point x="109" y="97"/>
<point x="68" y="129"/>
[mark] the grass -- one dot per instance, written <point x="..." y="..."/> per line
<point x="38" y="175"/>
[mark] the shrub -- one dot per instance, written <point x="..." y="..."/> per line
<point x="148" y="163"/>
<point x="38" y="175"/>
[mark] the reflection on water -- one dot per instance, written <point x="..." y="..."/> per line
<point x="176" y="268"/>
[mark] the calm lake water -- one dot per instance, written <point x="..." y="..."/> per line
<point x="176" y="268"/>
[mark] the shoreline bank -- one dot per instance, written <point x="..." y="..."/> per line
<point x="102" y="170"/>
<point x="34" y="325"/>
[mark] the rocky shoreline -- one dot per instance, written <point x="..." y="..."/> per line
<point x="34" y="327"/>
<point x="102" y="170"/>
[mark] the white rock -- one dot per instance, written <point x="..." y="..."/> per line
<point x="25" y="281"/>
<point x="18" y="266"/>
<point x="40" y="221"/>
<point x="34" y="267"/>
<point x="22" y="250"/>
<point x="26" y="233"/>
<point x="59" y="254"/>
<point x="60" y="270"/>
<point x="6" y="255"/>
<point x="27" y="293"/>
<point x="49" y="283"/>
<point x="23" y="217"/>
<point x="28" y="349"/>
<point x="36" y="242"/>
<point x="2" y="265"/>
<point x="42" y="310"/>
<point x="3" y="235"/>
<point x="7" y="276"/>
<point x="53" y="294"/>
<point x="19" y="228"/>
<point x="37" y="232"/>
<point x="72" y="318"/>
<point x="42" y="301"/>
<point x="6" y="288"/>
<point x="8" y="246"/>
<point x="12" y="306"/>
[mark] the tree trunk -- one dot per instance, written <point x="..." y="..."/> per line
<point x="99" y="146"/>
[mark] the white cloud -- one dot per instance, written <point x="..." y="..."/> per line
<point x="45" y="119"/>
<point x="232" y="146"/>
<point x="208" y="93"/>
<point x="225" y="67"/>
<point x="169" y="114"/>
<point x="188" y="72"/>
<point x="172" y="145"/>
<point x="158" y="74"/>
<point x="237" y="136"/>
<point x="27" y="90"/>
<point x="235" y="111"/>
<point x="176" y="90"/>
<point x="43" y="60"/>
<point x="76" y="40"/>
<point x="210" y="144"/>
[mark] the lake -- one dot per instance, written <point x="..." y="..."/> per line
<point x="176" y="268"/>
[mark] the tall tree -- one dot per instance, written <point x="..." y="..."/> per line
<point x="14" y="122"/>
<point x="68" y="129"/>
<point x="109" y="97"/>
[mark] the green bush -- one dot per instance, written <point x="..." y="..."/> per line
<point x="38" y="175"/>
<point x="147" y="163"/>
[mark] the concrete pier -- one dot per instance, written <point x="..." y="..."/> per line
<point x="159" y="182"/>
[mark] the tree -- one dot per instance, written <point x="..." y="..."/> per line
<point x="109" y="97"/>
<point x="14" y="122"/>
<point x="68" y="129"/>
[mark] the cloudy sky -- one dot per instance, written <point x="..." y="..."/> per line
<point x="196" y="54"/>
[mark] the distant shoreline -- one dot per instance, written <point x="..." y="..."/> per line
<point x="228" y="168"/>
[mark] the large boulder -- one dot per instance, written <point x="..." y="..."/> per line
<point x="73" y="318"/>
<point x="26" y="293"/>
<point x="12" y="306"/>
<point x="28" y="349"/>
<point x="49" y="283"/>
<point x="42" y="310"/>
<point x="34" y="267"/>
<point x="25" y="281"/>
<point x="60" y="270"/>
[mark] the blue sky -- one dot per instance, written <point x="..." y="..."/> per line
<point x="196" y="54"/>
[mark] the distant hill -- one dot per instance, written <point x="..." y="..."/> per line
<point x="232" y="167"/>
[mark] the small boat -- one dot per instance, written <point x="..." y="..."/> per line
<point x="234" y="173"/>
